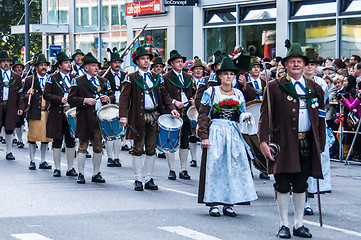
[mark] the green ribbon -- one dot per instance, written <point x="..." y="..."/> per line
<point x="11" y="82"/>
<point x="93" y="90"/>
<point x="188" y="83"/>
<point x="140" y="83"/>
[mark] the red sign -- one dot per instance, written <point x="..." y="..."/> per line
<point x="23" y="52"/>
<point x="143" y="7"/>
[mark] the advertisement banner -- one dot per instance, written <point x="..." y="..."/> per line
<point x="180" y="2"/>
<point x="143" y="7"/>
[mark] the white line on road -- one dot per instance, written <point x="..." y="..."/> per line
<point x="30" y="236"/>
<point x="334" y="228"/>
<point x="190" y="233"/>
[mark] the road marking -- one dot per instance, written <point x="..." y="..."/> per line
<point x="334" y="228"/>
<point x="190" y="233"/>
<point x="30" y="236"/>
<point x="174" y="190"/>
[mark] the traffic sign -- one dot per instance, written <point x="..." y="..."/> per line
<point x="23" y="52"/>
<point x="57" y="48"/>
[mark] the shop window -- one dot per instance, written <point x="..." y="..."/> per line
<point x="351" y="6"/>
<point x="84" y="16"/>
<point x="220" y="38"/>
<point x="94" y="16"/>
<point x="258" y="13"/>
<point x="156" y="41"/>
<point x="88" y="43"/>
<point x="123" y="18"/>
<point x="228" y="15"/>
<point x="105" y="21"/>
<point x="350" y="38"/>
<point x="115" y="15"/>
<point x="312" y="8"/>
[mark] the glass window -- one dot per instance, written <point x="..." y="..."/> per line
<point x="62" y="40"/>
<point x="115" y="15"/>
<point x="94" y="16"/>
<point x="58" y="12"/>
<point x="223" y="38"/>
<point x="320" y="35"/>
<point x="263" y="37"/>
<point x="111" y="40"/>
<point x="349" y="6"/>
<point x="228" y="15"/>
<point x="258" y="13"/>
<point x="350" y="38"/>
<point x="105" y="21"/>
<point x="88" y="43"/>
<point x="156" y="41"/>
<point x="299" y="9"/>
<point x="123" y="18"/>
<point x="84" y="13"/>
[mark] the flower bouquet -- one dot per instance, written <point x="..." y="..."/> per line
<point x="227" y="104"/>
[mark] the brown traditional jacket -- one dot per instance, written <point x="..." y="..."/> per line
<point x="131" y="102"/>
<point x="53" y="93"/>
<point x="34" y="112"/>
<point x="111" y="79"/>
<point x="14" y="102"/>
<point x="170" y="82"/>
<point x="202" y="88"/>
<point x="285" y="111"/>
<point x="86" y="118"/>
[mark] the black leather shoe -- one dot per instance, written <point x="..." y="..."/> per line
<point x="193" y="163"/>
<point x="162" y="155"/>
<point x="44" y="165"/>
<point x="172" y="175"/>
<point x="184" y="175"/>
<point x="87" y="155"/>
<point x="264" y="176"/>
<point x="110" y="162"/>
<point x="10" y="156"/>
<point x="98" y="178"/>
<point x="15" y="141"/>
<point x="32" y="166"/>
<point x="228" y="211"/>
<point x="150" y="185"/>
<point x="3" y="141"/>
<point x="63" y="149"/>
<point x="214" y="212"/>
<point x="71" y="173"/>
<point x="80" y="179"/>
<point x="117" y="163"/>
<point x="56" y="173"/>
<point x="138" y="186"/>
<point x="284" y="232"/>
<point x="308" y="211"/>
<point x="125" y="148"/>
<point x="302" y="232"/>
<point x="20" y="145"/>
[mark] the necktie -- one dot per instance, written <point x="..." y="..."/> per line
<point x="181" y="79"/>
<point x="300" y="85"/>
<point x="147" y="74"/>
<point x="256" y="84"/>
<point x="6" y="77"/>
<point x="94" y="81"/>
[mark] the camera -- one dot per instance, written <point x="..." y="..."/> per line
<point x="342" y="94"/>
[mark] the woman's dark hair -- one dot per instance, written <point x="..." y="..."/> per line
<point x="351" y="86"/>
<point x="359" y="85"/>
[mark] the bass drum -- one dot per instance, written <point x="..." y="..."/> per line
<point x="259" y="161"/>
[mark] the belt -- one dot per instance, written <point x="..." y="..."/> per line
<point x="149" y="110"/>
<point x="66" y="108"/>
<point x="303" y="135"/>
<point x="44" y="109"/>
<point x="4" y="103"/>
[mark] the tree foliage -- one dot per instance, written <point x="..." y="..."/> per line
<point x="12" y="12"/>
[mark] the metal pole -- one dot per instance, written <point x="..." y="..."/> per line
<point x="27" y="34"/>
<point x="353" y="142"/>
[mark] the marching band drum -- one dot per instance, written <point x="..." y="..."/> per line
<point x="192" y="114"/>
<point x="169" y="133"/>
<point x="108" y="116"/>
<point x="71" y="117"/>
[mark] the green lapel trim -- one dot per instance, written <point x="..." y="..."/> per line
<point x="60" y="84"/>
<point x="11" y="82"/>
<point x="140" y="83"/>
<point x="177" y="83"/>
<point x="37" y="85"/>
<point x="93" y="90"/>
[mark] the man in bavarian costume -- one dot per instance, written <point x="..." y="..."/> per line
<point x="254" y="80"/>
<point x="11" y="105"/>
<point x="198" y="77"/>
<point x="115" y="77"/>
<point x="77" y="63"/>
<point x="298" y="126"/>
<point x="56" y="92"/>
<point x="37" y="110"/>
<point x="17" y="66"/>
<point x="88" y="93"/>
<point x="142" y="99"/>
<point x="180" y="87"/>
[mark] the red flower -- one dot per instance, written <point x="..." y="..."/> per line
<point x="82" y="58"/>
<point x="133" y="55"/>
<point x="222" y="103"/>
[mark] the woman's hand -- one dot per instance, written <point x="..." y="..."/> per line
<point x="247" y="117"/>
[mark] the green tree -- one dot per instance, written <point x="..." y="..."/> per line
<point x="12" y="12"/>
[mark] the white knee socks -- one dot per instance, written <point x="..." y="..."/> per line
<point x="298" y="204"/>
<point x="170" y="159"/>
<point x="149" y="166"/>
<point x="97" y="159"/>
<point x="9" y="142"/>
<point x="283" y="204"/>
<point x="57" y="157"/>
<point x="183" y="157"/>
<point x="81" y="162"/>
<point x="137" y="167"/>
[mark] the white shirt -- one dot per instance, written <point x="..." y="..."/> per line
<point x="6" y="80"/>
<point x="148" y="102"/>
<point x="66" y="80"/>
<point x="184" y="98"/>
<point x="117" y="84"/>
<point x="80" y="70"/>
<point x="96" y="84"/>
<point x="42" y="80"/>
<point x="304" y="123"/>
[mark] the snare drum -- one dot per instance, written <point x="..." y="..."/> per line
<point x="192" y="114"/>
<point x="109" y="124"/>
<point x="71" y="117"/>
<point x="169" y="133"/>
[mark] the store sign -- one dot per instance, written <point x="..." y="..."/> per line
<point x="180" y="2"/>
<point x="56" y="48"/>
<point x="143" y="7"/>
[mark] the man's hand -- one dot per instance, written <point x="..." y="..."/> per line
<point x="242" y="81"/>
<point x="191" y="101"/>
<point x="90" y="101"/>
<point x="20" y="112"/>
<point x="247" y="117"/>
<point x="175" y="113"/>
<point x="104" y="98"/>
<point x="266" y="151"/>
<point x="205" y="143"/>
<point x="123" y="121"/>
<point x="64" y="100"/>
<point x="179" y="105"/>
<point x="30" y="91"/>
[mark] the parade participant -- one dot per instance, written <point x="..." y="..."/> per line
<point x="18" y="67"/>
<point x="37" y="110"/>
<point x="11" y="104"/>
<point x="77" y="63"/>
<point x="179" y="86"/>
<point x="325" y="183"/>
<point x="254" y="79"/>
<point x="56" y="92"/>
<point x="225" y="174"/>
<point x="198" y="77"/>
<point x="143" y="97"/>
<point x="298" y="126"/>
<point x="88" y="93"/>
<point x="115" y="77"/>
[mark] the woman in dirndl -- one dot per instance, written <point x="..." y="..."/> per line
<point x="225" y="177"/>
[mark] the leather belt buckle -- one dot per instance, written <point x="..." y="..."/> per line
<point x="301" y="135"/>
<point x="4" y="103"/>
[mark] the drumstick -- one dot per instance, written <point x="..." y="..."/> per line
<point x="29" y="101"/>
<point x="133" y="130"/>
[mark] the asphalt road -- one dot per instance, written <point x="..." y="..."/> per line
<point x="37" y="206"/>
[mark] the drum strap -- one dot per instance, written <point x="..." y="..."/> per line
<point x="152" y="96"/>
